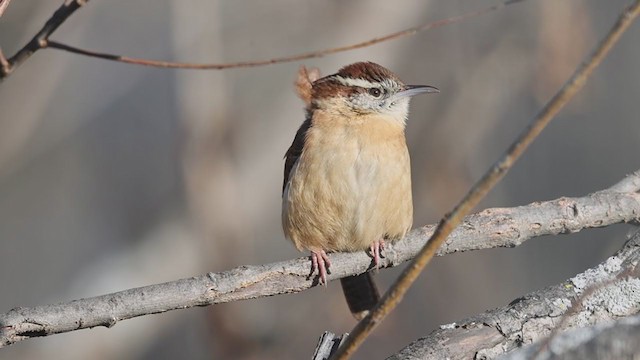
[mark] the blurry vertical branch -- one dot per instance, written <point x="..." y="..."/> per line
<point x="3" y="6"/>
<point x="395" y="294"/>
<point x="41" y="41"/>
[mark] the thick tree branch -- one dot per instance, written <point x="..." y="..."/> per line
<point x="630" y="183"/>
<point x="42" y="40"/>
<point x="533" y="317"/>
<point x="499" y="227"/>
<point x="617" y="340"/>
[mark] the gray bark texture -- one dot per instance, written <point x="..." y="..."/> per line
<point x="327" y="345"/>
<point x="600" y="295"/>
<point x="617" y="340"/>
<point x="497" y="227"/>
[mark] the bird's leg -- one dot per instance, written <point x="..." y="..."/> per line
<point x="320" y="262"/>
<point x="376" y="249"/>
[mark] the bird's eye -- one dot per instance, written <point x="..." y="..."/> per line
<point x="375" y="92"/>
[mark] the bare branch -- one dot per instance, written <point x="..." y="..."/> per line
<point x="394" y="295"/>
<point x="41" y="39"/>
<point x="617" y="340"/>
<point x="327" y="345"/>
<point x="32" y="47"/>
<point x="534" y="316"/>
<point x="500" y="227"/>
<point x="578" y="305"/>
<point x="628" y="184"/>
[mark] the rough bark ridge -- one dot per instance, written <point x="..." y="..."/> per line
<point x="533" y="317"/>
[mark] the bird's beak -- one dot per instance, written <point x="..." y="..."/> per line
<point x="411" y="90"/>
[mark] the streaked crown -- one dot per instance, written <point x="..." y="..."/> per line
<point x="365" y="88"/>
<point x="355" y="79"/>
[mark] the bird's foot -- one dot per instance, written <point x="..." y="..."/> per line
<point x="320" y="262"/>
<point x="376" y="249"/>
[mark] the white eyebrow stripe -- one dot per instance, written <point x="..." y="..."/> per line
<point x="355" y="82"/>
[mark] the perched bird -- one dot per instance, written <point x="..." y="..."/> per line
<point x="347" y="177"/>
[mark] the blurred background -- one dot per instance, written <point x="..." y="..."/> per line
<point x="114" y="176"/>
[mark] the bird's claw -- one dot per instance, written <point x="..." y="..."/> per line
<point x="376" y="249"/>
<point x="320" y="262"/>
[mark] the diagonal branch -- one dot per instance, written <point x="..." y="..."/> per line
<point x="394" y="295"/>
<point x="43" y="42"/>
<point x="498" y="227"/>
<point x="42" y="37"/>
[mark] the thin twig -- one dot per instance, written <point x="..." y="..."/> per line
<point x="42" y="37"/>
<point x="482" y="231"/>
<point x="309" y="55"/>
<point x="394" y="295"/>
<point x="33" y="46"/>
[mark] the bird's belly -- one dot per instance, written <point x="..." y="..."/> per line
<point x="348" y="198"/>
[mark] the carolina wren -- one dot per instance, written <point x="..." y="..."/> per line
<point x="347" y="179"/>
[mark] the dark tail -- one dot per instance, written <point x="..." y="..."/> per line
<point x="361" y="294"/>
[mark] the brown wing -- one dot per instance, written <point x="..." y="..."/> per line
<point x="294" y="151"/>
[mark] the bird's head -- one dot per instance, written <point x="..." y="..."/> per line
<point x="365" y="88"/>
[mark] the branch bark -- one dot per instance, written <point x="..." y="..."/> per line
<point x="327" y="345"/>
<point x="498" y="227"/>
<point x="617" y="340"/>
<point x="535" y="316"/>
